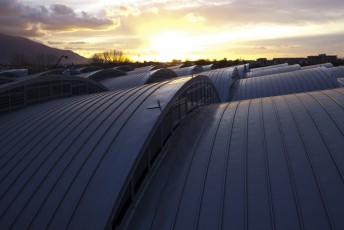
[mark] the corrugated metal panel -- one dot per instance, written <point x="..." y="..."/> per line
<point x="38" y="89"/>
<point x="5" y="80"/>
<point x="138" y="79"/>
<point x="269" y="71"/>
<point x="270" y="163"/>
<point x="187" y="71"/>
<point x="327" y="65"/>
<point x="75" y="163"/>
<point x="222" y="80"/>
<point x="208" y="67"/>
<point x="337" y="72"/>
<point x="102" y="74"/>
<point x="242" y="69"/>
<point x="284" y="83"/>
<point x="268" y="67"/>
<point x="341" y="81"/>
<point x="88" y="69"/>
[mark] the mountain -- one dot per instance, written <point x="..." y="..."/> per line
<point x="18" y="49"/>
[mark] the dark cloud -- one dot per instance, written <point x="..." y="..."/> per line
<point x="77" y="43"/>
<point x="22" y="19"/>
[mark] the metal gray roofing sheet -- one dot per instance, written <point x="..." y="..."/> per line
<point x="103" y="74"/>
<point x="74" y="163"/>
<point x="269" y="71"/>
<point x="268" y="163"/>
<point x="327" y="65"/>
<point x="341" y="81"/>
<point x="222" y="80"/>
<point x="268" y="67"/>
<point x="186" y="71"/>
<point x="337" y="72"/>
<point x="138" y="79"/>
<point x="88" y="69"/>
<point x="284" y="83"/>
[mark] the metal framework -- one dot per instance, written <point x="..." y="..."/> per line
<point x="79" y="162"/>
<point x="284" y="83"/>
<point x="269" y="163"/>
<point x="28" y="91"/>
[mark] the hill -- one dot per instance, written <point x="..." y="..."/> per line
<point x="14" y="50"/>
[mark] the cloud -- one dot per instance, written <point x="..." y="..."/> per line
<point x="191" y="17"/>
<point x="77" y="43"/>
<point x="128" y="10"/>
<point x="55" y="43"/>
<point x="19" y="18"/>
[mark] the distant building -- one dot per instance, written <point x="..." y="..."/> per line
<point x="290" y="61"/>
<point x="322" y="58"/>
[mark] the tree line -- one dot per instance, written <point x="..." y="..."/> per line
<point x="111" y="56"/>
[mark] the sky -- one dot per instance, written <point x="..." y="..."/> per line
<point x="162" y="30"/>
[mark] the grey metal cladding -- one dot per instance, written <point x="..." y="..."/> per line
<point x="269" y="71"/>
<point x="341" y="81"/>
<point x="102" y="74"/>
<point x="71" y="163"/>
<point x="326" y="65"/>
<point x="187" y="71"/>
<point x="138" y="79"/>
<point x="337" y="72"/>
<point x="284" y="83"/>
<point x="267" y="163"/>
<point x="222" y="80"/>
<point x="89" y="69"/>
<point x="30" y="90"/>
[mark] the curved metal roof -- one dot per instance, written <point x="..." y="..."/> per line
<point x="145" y="69"/>
<point x="75" y="163"/>
<point x="268" y="67"/>
<point x="337" y="72"/>
<point x="88" y="69"/>
<point x="270" y="71"/>
<point x="270" y="163"/>
<point x="125" y="68"/>
<point x="208" y="67"/>
<point x="14" y="73"/>
<point x="55" y="72"/>
<point x="222" y="80"/>
<point x="327" y="65"/>
<point x="284" y="83"/>
<point x="5" y="80"/>
<point x="341" y="81"/>
<point x="37" y="89"/>
<point x="186" y="71"/>
<point x="242" y="69"/>
<point x="138" y="79"/>
<point x="102" y="74"/>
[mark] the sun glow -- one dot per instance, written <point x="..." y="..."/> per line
<point x="173" y="45"/>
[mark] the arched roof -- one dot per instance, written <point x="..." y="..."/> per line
<point x="222" y="80"/>
<point x="104" y="74"/>
<point x="327" y="65"/>
<point x="145" y="69"/>
<point x="125" y="68"/>
<point x="76" y="163"/>
<point x="341" y="81"/>
<point x="17" y="73"/>
<point x="37" y="89"/>
<point x="5" y="80"/>
<point x="268" y="67"/>
<point x="208" y="67"/>
<point x="242" y="69"/>
<point x="88" y="69"/>
<point x="186" y="71"/>
<point x="138" y="79"/>
<point x="270" y="71"/>
<point x="337" y="72"/>
<point x="270" y="163"/>
<point x="284" y="83"/>
<point x="57" y="71"/>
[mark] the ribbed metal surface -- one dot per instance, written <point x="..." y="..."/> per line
<point x="186" y="71"/>
<point x="341" y="81"/>
<point x="284" y="83"/>
<point x="269" y="71"/>
<point x="222" y="80"/>
<point x="88" y="69"/>
<point x="337" y="72"/>
<point x="208" y="67"/>
<point x="271" y="163"/>
<point x="32" y="90"/>
<point x="138" y="79"/>
<point x="102" y="74"/>
<point x="74" y="163"/>
<point x="268" y="67"/>
<point x="5" y="80"/>
<point x="327" y="65"/>
<point x="242" y="69"/>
